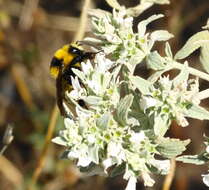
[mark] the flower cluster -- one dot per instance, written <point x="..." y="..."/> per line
<point x="122" y="126"/>
<point x="114" y="33"/>
<point x="171" y="99"/>
<point x="105" y="137"/>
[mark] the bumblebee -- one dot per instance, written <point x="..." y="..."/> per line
<point x="64" y="60"/>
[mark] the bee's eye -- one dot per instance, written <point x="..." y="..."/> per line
<point x="74" y="50"/>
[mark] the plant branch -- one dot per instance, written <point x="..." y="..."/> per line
<point x="191" y="70"/>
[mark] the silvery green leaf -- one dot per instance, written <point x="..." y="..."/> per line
<point x="102" y="122"/>
<point x="138" y="9"/>
<point x="145" y="122"/>
<point x="122" y="109"/>
<point x="193" y="43"/>
<point x="106" y="80"/>
<point x="143" y="24"/>
<point x="114" y="4"/>
<point x="79" y="73"/>
<point x="155" y="61"/>
<point x="205" y="178"/>
<point x="192" y="159"/>
<point x="159" y="166"/>
<point x="168" y="51"/>
<point x="204" y="56"/>
<point x="170" y="148"/>
<point x="182" y="76"/>
<point x="98" y="13"/>
<point x="142" y="84"/>
<point x="59" y="140"/>
<point x="137" y="58"/>
<point x="197" y="112"/>
<point x="131" y="183"/>
<point x="155" y="76"/>
<point x="91" y="41"/>
<point x="206" y="26"/>
<point x="93" y="100"/>
<point x="116" y="71"/>
<point x="161" y="35"/>
<point x="94" y="153"/>
<point x="160" y="126"/>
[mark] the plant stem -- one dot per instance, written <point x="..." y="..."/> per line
<point x="203" y="94"/>
<point x="191" y="70"/>
<point x="169" y="178"/>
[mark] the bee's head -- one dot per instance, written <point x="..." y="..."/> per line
<point x="75" y="49"/>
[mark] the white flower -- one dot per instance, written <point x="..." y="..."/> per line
<point x="107" y="163"/>
<point x="137" y="137"/>
<point x="87" y="67"/>
<point x="81" y="154"/>
<point x="103" y="64"/>
<point x="83" y="161"/>
<point x="95" y="86"/>
<point x="91" y="138"/>
<point x="162" y="165"/>
<point x="148" y="181"/>
<point x="68" y="122"/>
<point x="131" y="183"/>
<point x="113" y="38"/>
<point x="206" y="179"/>
<point x="116" y="150"/>
<point x="207" y="149"/>
<point x="147" y="102"/>
<point x="77" y="91"/>
<point x="165" y="82"/>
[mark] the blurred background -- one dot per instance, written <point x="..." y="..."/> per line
<point x="30" y="32"/>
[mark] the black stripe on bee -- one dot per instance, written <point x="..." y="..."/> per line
<point x="56" y="62"/>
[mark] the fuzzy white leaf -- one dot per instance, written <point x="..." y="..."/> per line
<point x="143" y="24"/>
<point x="204" y="56"/>
<point x="142" y="84"/>
<point x="197" y="112"/>
<point x="161" y="35"/>
<point x="193" y="43"/>
<point x="155" y="61"/>
<point x="123" y="108"/>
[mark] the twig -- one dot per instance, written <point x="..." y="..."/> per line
<point x="169" y="178"/>
<point x="47" y="142"/>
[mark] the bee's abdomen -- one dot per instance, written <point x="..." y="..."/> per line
<point x="55" y="67"/>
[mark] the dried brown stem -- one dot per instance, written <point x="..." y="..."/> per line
<point x="169" y="178"/>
